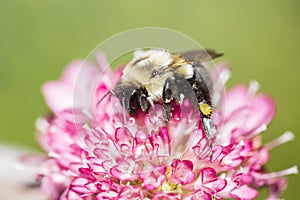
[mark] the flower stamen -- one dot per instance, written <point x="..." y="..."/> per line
<point x="284" y="138"/>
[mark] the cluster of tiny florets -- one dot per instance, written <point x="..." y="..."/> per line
<point x="92" y="154"/>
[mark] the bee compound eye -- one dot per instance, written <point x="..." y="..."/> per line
<point x="154" y="73"/>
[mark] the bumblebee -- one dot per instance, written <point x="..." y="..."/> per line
<point x="159" y="76"/>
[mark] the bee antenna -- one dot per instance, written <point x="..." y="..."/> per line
<point x="105" y="95"/>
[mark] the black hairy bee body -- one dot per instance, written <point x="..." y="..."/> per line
<point x="158" y="76"/>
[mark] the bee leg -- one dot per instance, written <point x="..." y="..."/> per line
<point x="202" y="86"/>
<point x="124" y="112"/>
<point x="207" y="123"/>
<point x="130" y="103"/>
<point x="134" y="102"/>
<point x="167" y="111"/>
<point x="210" y="131"/>
<point x="144" y="103"/>
<point x="167" y="98"/>
<point x="176" y="89"/>
<point x="142" y="98"/>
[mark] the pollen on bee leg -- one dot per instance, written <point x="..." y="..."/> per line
<point x="205" y="108"/>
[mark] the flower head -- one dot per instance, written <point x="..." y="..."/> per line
<point x="93" y="154"/>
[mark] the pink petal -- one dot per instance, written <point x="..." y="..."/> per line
<point x="235" y="99"/>
<point x="165" y="196"/>
<point x="71" y="72"/>
<point x="182" y="172"/>
<point x="58" y="95"/>
<point x="244" y="193"/>
<point x="153" y="177"/>
<point x="262" y="112"/>
<point x="208" y="174"/>
<point x="161" y="142"/>
<point x="70" y="195"/>
<point x="102" y="61"/>
<point x="124" y="138"/>
<point x="129" y="192"/>
<point x="51" y="187"/>
<point x="78" y="184"/>
<point x="126" y="169"/>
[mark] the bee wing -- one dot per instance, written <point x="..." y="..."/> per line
<point x="200" y="55"/>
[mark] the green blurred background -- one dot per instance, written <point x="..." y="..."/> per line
<point x="260" y="40"/>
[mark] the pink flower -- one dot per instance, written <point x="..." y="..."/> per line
<point x="92" y="154"/>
